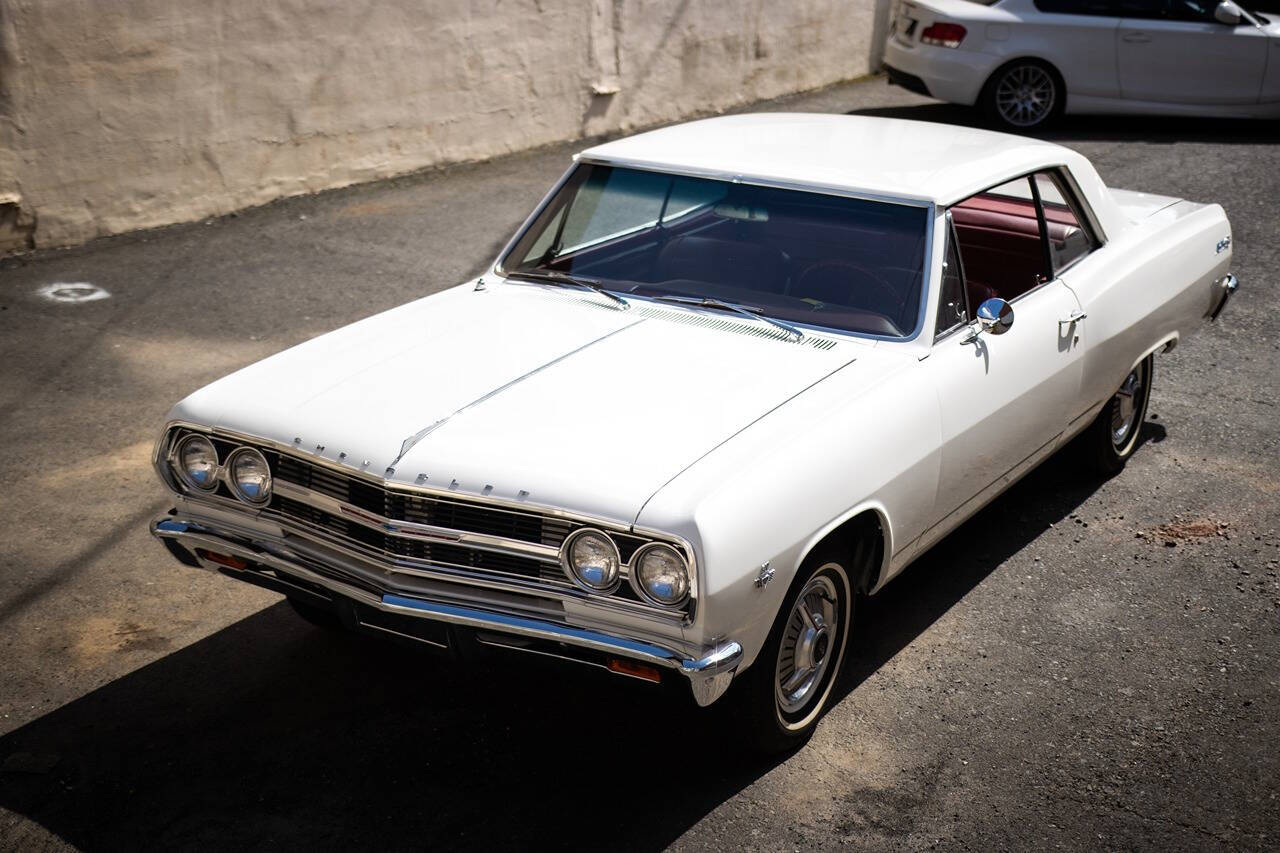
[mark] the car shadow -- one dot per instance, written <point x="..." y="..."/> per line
<point x="1157" y="129"/>
<point x="272" y="732"/>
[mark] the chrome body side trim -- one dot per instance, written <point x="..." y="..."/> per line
<point x="711" y="669"/>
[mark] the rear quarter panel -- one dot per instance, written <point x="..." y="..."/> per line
<point x="1150" y="287"/>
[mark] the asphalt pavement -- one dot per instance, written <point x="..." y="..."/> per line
<point x="1086" y="664"/>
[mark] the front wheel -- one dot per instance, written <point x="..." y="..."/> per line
<point x="1024" y="95"/>
<point x="1113" y="436"/>
<point x="780" y="699"/>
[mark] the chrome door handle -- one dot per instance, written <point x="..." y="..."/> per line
<point x="1073" y="317"/>
<point x="1135" y="38"/>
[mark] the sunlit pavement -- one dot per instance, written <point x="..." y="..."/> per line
<point x="1067" y="669"/>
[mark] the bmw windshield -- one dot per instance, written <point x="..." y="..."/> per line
<point x="800" y="257"/>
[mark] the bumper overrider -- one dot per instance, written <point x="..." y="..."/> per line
<point x="280" y="564"/>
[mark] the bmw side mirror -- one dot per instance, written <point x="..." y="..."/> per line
<point x="1227" y="13"/>
<point x="995" y="317"/>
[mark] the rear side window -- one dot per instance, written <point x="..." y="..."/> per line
<point x="1069" y="238"/>
<point x="1079" y="7"/>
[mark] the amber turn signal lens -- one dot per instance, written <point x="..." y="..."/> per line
<point x="222" y="559"/>
<point x="636" y="670"/>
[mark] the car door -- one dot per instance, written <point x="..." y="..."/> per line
<point x="1004" y="399"/>
<point x="1174" y="51"/>
<point x="1079" y="38"/>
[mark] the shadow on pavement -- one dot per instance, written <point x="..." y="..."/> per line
<point x="1157" y="129"/>
<point x="272" y="732"/>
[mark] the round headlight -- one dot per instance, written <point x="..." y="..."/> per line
<point x="661" y="575"/>
<point x="591" y="558"/>
<point x="197" y="462"/>
<point x="250" y="477"/>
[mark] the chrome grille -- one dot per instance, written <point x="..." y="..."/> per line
<point x="410" y="532"/>
<point x="420" y="509"/>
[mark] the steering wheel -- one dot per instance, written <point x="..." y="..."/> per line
<point x="851" y="285"/>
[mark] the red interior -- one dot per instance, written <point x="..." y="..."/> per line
<point x="1000" y="244"/>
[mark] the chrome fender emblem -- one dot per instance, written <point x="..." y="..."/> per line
<point x="766" y="575"/>
<point x="1224" y="244"/>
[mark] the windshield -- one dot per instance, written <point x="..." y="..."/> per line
<point x="802" y="257"/>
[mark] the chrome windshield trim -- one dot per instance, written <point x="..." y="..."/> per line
<point x="414" y="530"/>
<point x="817" y="188"/>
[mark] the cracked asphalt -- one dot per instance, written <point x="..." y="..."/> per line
<point x="1086" y="664"/>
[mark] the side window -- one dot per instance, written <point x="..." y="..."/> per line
<point x="952" y="311"/>
<point x="1069" y="237"/>
<point x="1001" y="248"/>
<point x="1199" y="11"/>
<point x="1144" y="9"/>
<point x="1078" y="7"/>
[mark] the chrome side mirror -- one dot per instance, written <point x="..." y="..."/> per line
<point x="995" y="316"/>
<point x="1227" y="13"/>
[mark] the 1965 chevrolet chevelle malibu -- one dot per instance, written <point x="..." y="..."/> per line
<point x="729" y="376"/>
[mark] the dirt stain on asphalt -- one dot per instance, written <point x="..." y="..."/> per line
<point x="99" y="638"/>
<point x="1188" y="530"/>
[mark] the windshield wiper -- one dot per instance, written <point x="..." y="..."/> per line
<point x="751" y="311"/>
<point x="556" y="277"/>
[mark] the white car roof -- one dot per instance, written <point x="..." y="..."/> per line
<point x="863" y="155"/>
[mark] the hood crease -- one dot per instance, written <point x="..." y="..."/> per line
<point x="409" y="443"/>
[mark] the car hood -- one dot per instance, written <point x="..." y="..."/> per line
<point x="523" y="392"/>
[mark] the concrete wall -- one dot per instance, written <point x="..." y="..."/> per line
<point x="124" y="114"/>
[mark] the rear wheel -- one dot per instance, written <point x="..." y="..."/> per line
<point x="781" y="698"/>
<point x="1024" y="95"/>
<point x="1113" y="436"/>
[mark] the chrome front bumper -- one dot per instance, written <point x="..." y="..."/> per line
<point x="709" y="674"/>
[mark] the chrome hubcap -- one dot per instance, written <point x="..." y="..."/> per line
<point x="807" y="645"/>
<point x="1025" y="95"/>
<point x="1125" y="405"/>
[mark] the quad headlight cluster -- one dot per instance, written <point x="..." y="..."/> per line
<point x="658" y="573"/>
<point x="246" y="473"/>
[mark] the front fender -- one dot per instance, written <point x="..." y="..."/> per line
<point x="773" y="492"/>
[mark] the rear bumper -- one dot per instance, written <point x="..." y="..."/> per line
<point x="910" y="82"/>
<point x="264" y="561"/>
<point x="948" y="74"/>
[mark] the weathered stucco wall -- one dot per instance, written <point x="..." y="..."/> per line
<point x="124" y="114"/>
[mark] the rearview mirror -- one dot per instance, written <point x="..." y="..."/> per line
<point x="1227" y="13"/>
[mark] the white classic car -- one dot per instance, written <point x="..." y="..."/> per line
<point x="729" y="376"/>
<point x="1025" y="61"/>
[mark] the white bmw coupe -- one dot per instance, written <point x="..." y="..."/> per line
<point x="1024" y="62"/>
